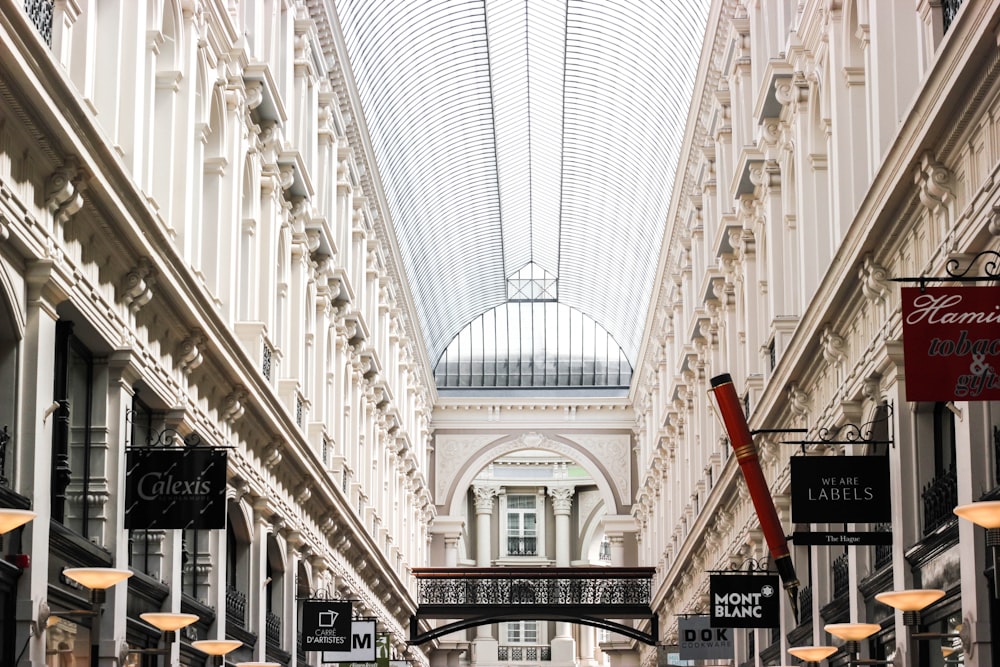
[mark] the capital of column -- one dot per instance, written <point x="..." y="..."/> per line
<point x="562" y="499"/>
<point x="484" y="496"/>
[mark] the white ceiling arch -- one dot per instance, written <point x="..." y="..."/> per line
<point x="510" y="132"/>
<point x="453" y="485"/>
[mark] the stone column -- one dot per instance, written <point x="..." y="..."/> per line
<point x="449" y="529"/>
<point x="484" y="513"/>
<point x="485" y="648"/>
<point x="563" y="645"/>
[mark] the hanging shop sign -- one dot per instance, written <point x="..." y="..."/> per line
<point x="361" y="647"/>
<point x="840" y="489"/>
<point x="951" y="343"/>
<point x="326" y="625"/>
<point x="743" y="600"/>
<point x="175" y="487"/>
<point x="698" y="640"/>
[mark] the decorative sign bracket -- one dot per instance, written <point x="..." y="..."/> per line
<point x="748" y="566"/>
<point x="854" y="434"/>
<point x="957" y="274"/>
<point x="165" y="438"/>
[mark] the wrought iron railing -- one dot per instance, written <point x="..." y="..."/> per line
<point x="883" y="552"/>
<point x="524" y="653"/>
<point x="515" y="586"/>
<point x="272" y="629"/>
<point x="265" y="364"/>
<point x="805" y="605"/>
<point x="949" y="9"/>
<point x="940" y="497"/>
<point x="519" y="545"/>
<point x="841" y="577"/>
<point x="996" y="455"/>
<point x="236" y="607"/>
<point x="4" y="441"/>
<point x="40" y="13"/>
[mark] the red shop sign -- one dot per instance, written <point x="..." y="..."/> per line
<point x="951" y="343"/>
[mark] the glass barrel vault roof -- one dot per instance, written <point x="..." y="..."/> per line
<point x="510" y="132"/>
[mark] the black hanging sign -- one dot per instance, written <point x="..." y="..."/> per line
<point x="326" y="625"/>
<point x="830" y="539"/>
<point x="175" y="487"/>
<point x="840" y="489"/>
<point x="744" y="600"/>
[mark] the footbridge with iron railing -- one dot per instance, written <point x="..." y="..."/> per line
<point x="472" y="596"/>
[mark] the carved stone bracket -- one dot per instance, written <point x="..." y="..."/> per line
<point x="234" y="406"/>
<point x="934" y="181"/>
<point x="63" y="192"/>
<point x="834" y="346"/>
<point x="874" y="280"/>
<point x="137" y="285"/>
<point x="189" y="351"/>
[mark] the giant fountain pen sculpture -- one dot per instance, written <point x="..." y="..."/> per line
<point x="741" y="439"/>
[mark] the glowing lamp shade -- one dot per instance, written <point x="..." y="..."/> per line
<point x="910" y="600"/>
<point x="168" y="622"/>
<point x="97" y="578"/>
<point x="852" y="632"/>
<point x="11" y="518"/>
<point x="813" y="653"/>
<point x="985" y="513"/>
<point x="216" y="646"/>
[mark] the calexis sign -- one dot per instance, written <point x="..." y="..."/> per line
<point x="175" y="487"/>
<point x="840" y="489"/>
<point x="744" y="600"/>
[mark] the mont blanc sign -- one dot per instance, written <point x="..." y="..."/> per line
<point x="744" y="600"/>
<point x="951" y="343"/>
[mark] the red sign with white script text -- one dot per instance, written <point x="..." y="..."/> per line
<point x="951" y="343"/>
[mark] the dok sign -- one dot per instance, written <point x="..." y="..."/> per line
<point x="840" y="489"/>
<point x="175" y="487"/>
<point x="744" y="600"/>
<point x="698" y="640"/>
<point x="951" y="343"/>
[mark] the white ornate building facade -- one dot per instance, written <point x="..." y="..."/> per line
<point x="191" y="243"/>
<point x="194" y="240"/>
<point x="833" y="146"/>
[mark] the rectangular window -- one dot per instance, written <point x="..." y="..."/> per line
<point x="522" y="632"/>
<point x="522" y="526"/>
<point x="73" y="467"/>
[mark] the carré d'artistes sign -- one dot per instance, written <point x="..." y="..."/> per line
<point x="951" y="343"/>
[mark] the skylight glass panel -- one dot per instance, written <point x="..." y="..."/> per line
<point x="517" y="132"/>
